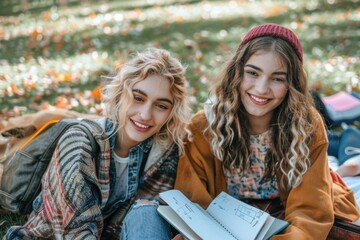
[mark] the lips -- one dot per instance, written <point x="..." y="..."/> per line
<point x="140" y="125"/>
<point x="259" y="100"/>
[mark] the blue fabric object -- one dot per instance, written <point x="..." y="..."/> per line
<point x="334" y="142"/>
<point x="355" y="95"/>
<point x="348" y="121"/>
<point x="144" y="222"/>
<point x="349" y="145"/>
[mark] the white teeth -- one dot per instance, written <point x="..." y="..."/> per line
<point x="140" y="125"/>
<point x="258" y="99"/>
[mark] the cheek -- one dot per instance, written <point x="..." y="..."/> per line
<point x="243" y="88"/>
<point x="281" y="91"/>
<point x="125" y="107"/>
<point x="122" y="113"/>
<point x="162" y="118"/>
<point x="245" y="84"/>
<point x="132" y="109"/>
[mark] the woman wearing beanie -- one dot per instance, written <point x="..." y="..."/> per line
<point x="260" y="139"/>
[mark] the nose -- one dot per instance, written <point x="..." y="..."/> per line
<point x="262" y="85"/>
<point x="145" y="112"/>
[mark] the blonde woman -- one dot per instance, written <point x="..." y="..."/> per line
<point x="139" y="140"/>
<point x="261" y="140"/>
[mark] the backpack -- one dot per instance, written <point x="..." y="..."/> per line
<point x="22" y="168"/>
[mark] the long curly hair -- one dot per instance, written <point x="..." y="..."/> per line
<point x="291" y="124"/>
<point x="118" y="96"/>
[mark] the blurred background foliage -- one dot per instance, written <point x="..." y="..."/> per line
<point x="54" y="52"/>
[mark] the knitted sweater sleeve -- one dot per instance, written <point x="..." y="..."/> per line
<point x="70" y="196"/>
<point x="68" y="206"/>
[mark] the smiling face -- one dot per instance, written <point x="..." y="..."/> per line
<point x="263" y="87"/>
<point x="148" y="112"/>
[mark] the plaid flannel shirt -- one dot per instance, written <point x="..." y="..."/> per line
<point x="75" y="188"/>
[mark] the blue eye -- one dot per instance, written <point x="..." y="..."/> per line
<point x="161" y="106"/>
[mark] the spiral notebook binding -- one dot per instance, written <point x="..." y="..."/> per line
<point x="223" y="226"/>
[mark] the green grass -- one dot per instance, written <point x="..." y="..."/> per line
<point x="47" y="42"/>
<point x="49" y="50"/>
<point x="7" y="220"/>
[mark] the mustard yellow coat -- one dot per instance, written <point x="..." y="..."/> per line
<point x="309" y="208"/>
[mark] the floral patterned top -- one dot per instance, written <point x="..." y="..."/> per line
<point x="251" y="184"/>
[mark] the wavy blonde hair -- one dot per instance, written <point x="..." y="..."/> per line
<point x="291" y="124"/>
<point x="118" y="96"/>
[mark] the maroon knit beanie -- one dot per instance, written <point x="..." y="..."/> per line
<point x="271" y="29"/>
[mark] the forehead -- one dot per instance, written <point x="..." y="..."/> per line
<point x="267" y="60"/>
<point x="155" y="86"/>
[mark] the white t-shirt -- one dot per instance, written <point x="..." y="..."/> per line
<point x="121" y="183"/>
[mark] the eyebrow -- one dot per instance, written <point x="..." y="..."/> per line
<point x="159" y="99"/>
<point x="259" y="69"/>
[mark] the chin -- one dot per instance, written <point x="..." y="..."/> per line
<point x="139" y="139"/>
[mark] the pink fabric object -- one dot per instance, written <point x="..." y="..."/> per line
<point x="341" y="101"/>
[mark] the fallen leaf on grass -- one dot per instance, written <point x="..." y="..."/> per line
<point x="96" y="93"/>
<point x="62" y="102"/>
<point x="16" y="91"/>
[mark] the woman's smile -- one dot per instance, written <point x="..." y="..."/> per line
<point x="259" y="100"/>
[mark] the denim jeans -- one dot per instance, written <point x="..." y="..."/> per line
<point x="143" y="222"/>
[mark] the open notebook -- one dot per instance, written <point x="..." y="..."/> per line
<point x="225" y="218"/>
